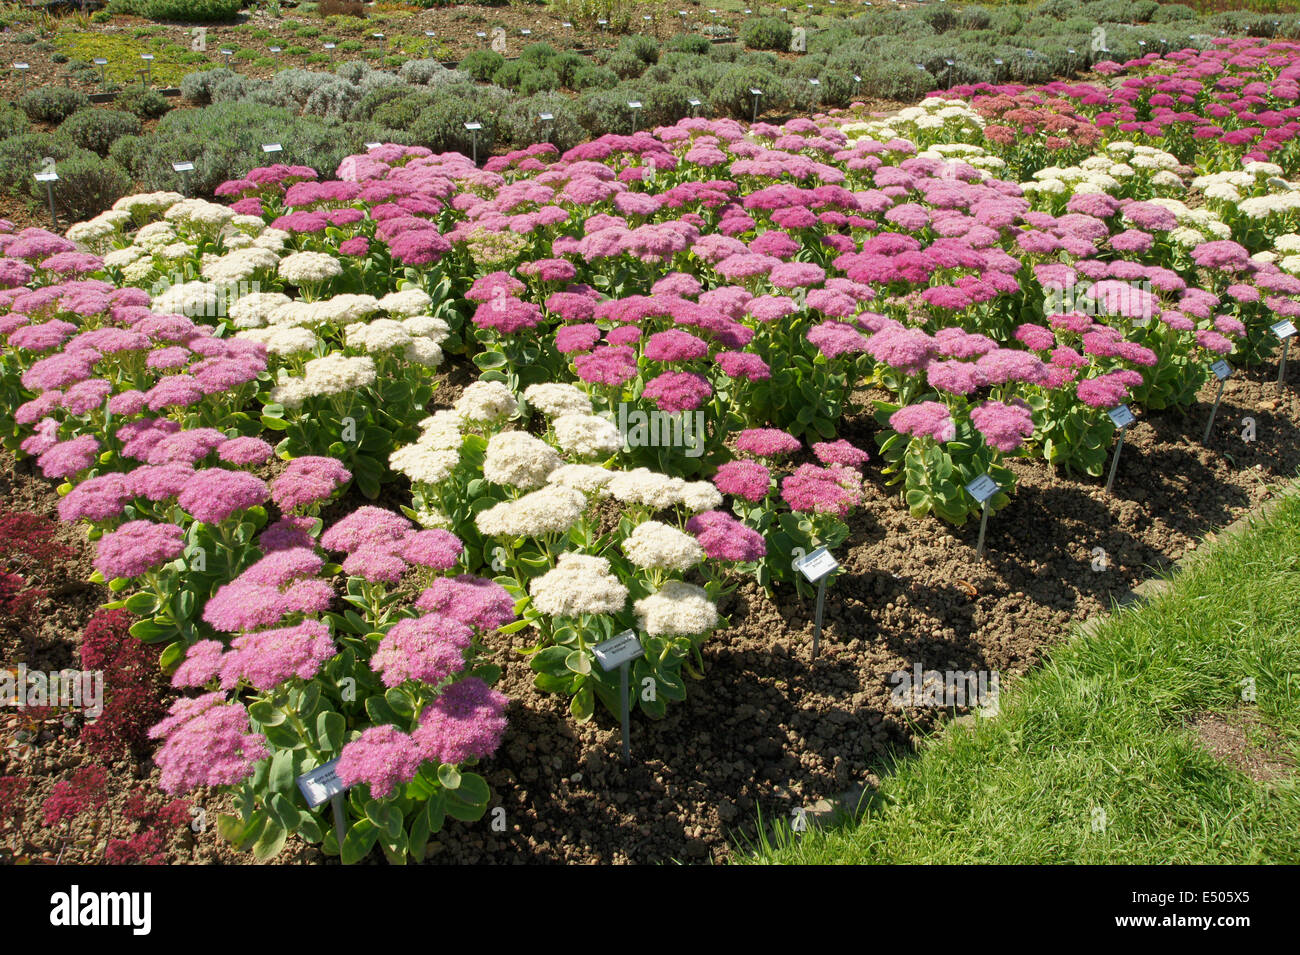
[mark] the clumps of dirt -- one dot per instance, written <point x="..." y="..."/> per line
<point x="1242" y="740"/>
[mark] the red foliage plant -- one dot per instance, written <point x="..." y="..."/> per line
<point x="134" y="692"/>
<point x="28" y="551"/>
<point x="153" y="815"/>
<point x="71" y="797"/>
<point x="13" y="799"/>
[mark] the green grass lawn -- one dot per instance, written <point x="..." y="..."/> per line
<point x="1093" y="760"/>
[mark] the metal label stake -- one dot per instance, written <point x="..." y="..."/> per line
<point x="1284" y="330"/>
<point x="473" y="134"/>
<point x="323" y="783"/>
<point x="817" y="568"/>
<point x="1223" y="371"/>
<point x="620" y="651"/>
<point x="1123" y="417"/>
<point x="184" y="168"/>
<point x="50" y="178"/>
<point x="982" y="489"/>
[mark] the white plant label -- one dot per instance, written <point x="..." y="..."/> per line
<point x="1284" y="329"/>
<point x="321" y="783"/>
<point x="1221" y="369"/>
<point x="472" y="127"/>
<point x="617" y="650"/>
<point x="1121" y="415"/>
<point x="816" y="565"/>
<point x="183" y="166"/>
<point x="982" y="488"/>
<point x="271" y="147"/>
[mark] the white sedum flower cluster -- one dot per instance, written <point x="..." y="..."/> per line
<point x="590" y="479"/>
<point x="517" y="459"/>
<point x="587" y="435"/>
<point x="553" y="509"/>
<point x="554" y="399"/>
<point x="679" y="609"/>
<point x="435" y="454"/>
<point x="578" y="584"/>
<point x="484" y="402"/>
<point x="306" y="268"/>
<point x="656" y="546"/>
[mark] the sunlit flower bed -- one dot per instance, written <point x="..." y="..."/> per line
<point x="668" y="330"/>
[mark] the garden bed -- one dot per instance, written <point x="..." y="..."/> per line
<point x="769" y="731"/>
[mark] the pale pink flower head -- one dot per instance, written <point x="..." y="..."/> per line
<point x="215" y="494"/>
<point x="429" y="648"/>
<point x="382" y="757"/>
<point x="137" y="547"/>
<point x="744" y="479"/>
<point x="929" y="419"/>
<point x="767" y="442"/>
<point x="839" y="452"/>
<point x="466" y="721"/>
<point x="823" y="490"/>
<point x="676" y="391"/>
<point x="1004" y="426"/>
<point x="308" y="481"/>
<point x="474" y="601"/>
<point x="206" y="742"/>
<point x="723" y="537"/>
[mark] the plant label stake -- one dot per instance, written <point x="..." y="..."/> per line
<point x="22" y="69"/>
<point x="473" y="138"/>
<point x="50" y="177"/>
<point x="694" y="104"/>
<point x="271" y="147"/>
<point x="329" y="48"/>
<point x="547" y="119"/>
<point x="229" y="55"/>
<point x="323" y="783"/>
<point x="184" y="168"/>
<point x="757" y="94"/>
<point x="1283" y="330"/>
<point x="817" y="568"/>
<point x="102" y="63"/>
<point x="430" y="34"/>
<point x="148" y="65"/>
<point x="1122" y="417"/>
<point x="982" y="489"/>
<point x="634" y="105"/>
<point x="372" y="145"/>
<point x="1223" y="371"/>
<point x="619" y="652"/>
